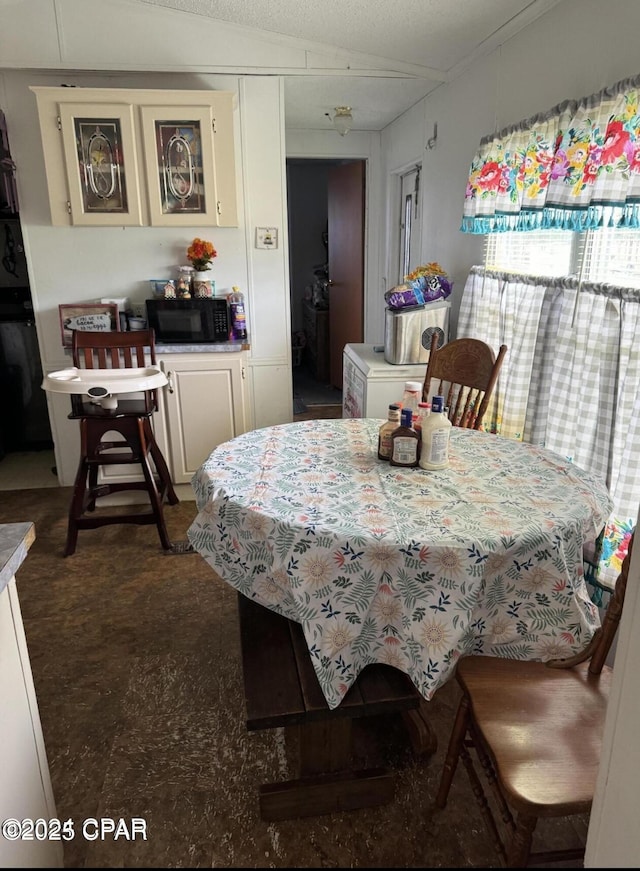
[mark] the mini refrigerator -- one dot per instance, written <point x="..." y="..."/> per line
<point x="370" y="384"/>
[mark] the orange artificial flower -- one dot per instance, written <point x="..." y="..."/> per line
<point x="200" y="254"/>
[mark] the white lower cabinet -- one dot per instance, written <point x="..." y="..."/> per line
<point x="203" y="406"/>
<point x="25" y="785"/>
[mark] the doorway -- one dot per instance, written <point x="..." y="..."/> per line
<point x="325" y="197"/>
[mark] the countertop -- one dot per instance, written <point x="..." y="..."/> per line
<point x="196" y="348"/>
<point x="15" y="541"/>
<point x="203" y="348"/>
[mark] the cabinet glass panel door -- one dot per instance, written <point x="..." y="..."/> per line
<point x="100" y="157"/>
<point x="178" y="148"/>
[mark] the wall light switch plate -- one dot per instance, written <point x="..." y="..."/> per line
<point x="266" y="237"/>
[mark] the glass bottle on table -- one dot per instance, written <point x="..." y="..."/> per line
<point x="436" y="429"/>
<point x="405" y="442"/>
<point x="384" y="433"/>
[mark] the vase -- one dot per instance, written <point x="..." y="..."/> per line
<point x="203" y="284"/>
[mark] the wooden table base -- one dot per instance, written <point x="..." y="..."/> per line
<point x="424" y="740"/>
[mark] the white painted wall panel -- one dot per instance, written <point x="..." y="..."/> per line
<point x="271" y="394"/>
<point x="265" y="206"/>
<point x="26" y="34"/>
<point x="586" y="46"/>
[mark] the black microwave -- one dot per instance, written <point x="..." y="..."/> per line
<point x="186" y="321"/>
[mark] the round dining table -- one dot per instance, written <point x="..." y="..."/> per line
<point x="403" y="566"/>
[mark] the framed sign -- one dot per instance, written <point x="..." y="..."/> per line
<point x="92" y="317"/>
<point x="100" y="157"/>
<point x="178" y="152"/>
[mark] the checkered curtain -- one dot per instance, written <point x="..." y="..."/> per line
<point x="570" y="380"/>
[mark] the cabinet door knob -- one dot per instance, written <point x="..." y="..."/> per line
<point x="169" y="382"/>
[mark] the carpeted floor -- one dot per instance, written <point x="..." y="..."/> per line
<point x="136" y="663"/>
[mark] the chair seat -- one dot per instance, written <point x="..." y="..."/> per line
<point x="545" y="743"/>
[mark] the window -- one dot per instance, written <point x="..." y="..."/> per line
<point x="605" y="255"/>
<point x="409" y="247"/>
<point x="613" y="256"/>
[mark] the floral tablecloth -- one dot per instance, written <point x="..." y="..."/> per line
<point x="403" y="566"/>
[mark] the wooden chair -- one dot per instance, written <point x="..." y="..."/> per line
<point x="131" y="421"/>
<point x="471" y="370"/>
<point x="537" y="731"/>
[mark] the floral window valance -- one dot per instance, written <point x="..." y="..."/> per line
<point x="576" y="167"/>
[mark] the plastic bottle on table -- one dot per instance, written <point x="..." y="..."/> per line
<point x="384" y="433"/>
<point x="436" y="429"/>
<point x="404" y="442"/>
<point x="412" y="395"/>
<point x="238" y="314"/>
<point x="424" y="409"/>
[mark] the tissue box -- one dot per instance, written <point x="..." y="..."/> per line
<point x="122" y="302"/>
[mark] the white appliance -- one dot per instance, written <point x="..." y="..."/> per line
<point x="370" y="384"/>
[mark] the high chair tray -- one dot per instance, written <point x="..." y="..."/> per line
<point x="80" y="381"/>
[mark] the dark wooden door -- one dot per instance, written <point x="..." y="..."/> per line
<point x="346" y="261"/>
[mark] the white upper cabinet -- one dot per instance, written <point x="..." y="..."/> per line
<point x="121" y="157"/>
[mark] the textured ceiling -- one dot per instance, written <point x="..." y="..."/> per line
<point x="418" y="43"/>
